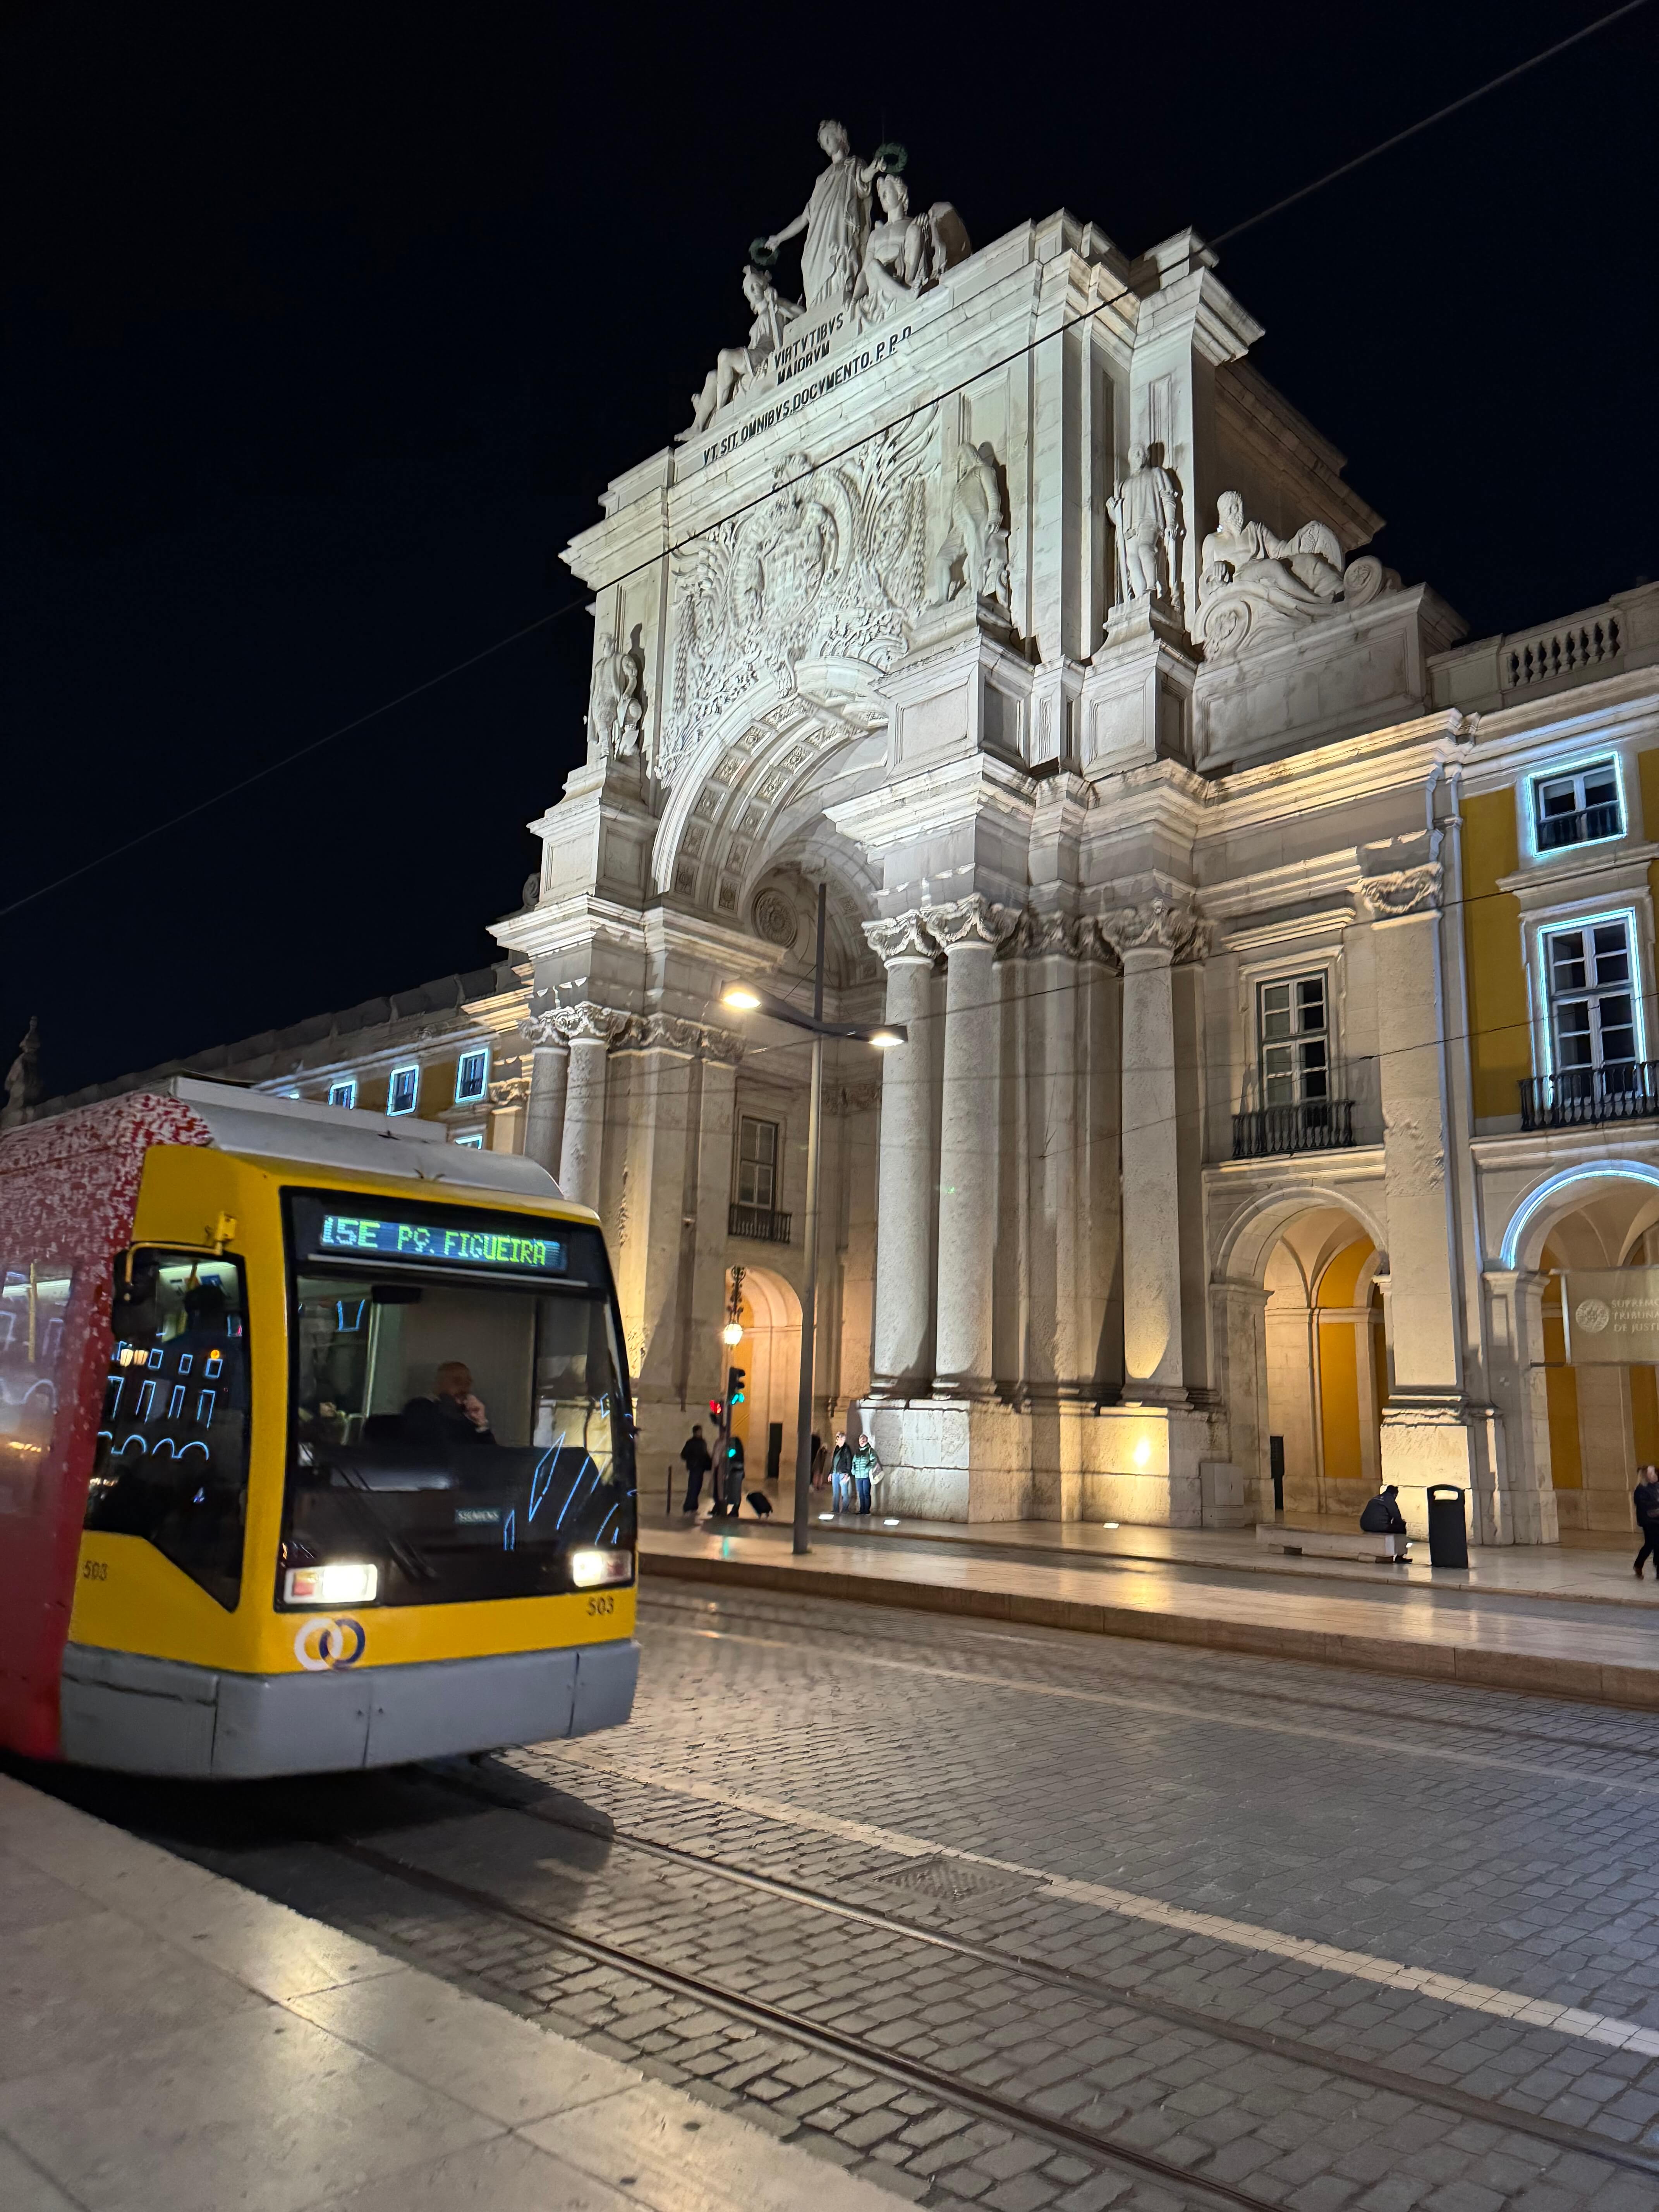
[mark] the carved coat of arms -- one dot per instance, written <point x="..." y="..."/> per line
<point x="832" y="565"/>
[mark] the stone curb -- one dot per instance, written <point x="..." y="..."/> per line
<point x="1586" y="1680"/>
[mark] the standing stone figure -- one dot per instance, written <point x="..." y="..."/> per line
<point x="977" y="538"/>
<point x="1146" y="512"/>
<point x="737" y="368"/>
<point x="615" y="708"/>
<point x="23" y="1079"/>
<point x="837" y="221"/>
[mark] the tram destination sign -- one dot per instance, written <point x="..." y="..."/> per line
<point x="341" y="1228"/>
<point x="1612" y="1317"/>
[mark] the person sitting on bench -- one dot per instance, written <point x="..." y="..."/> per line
<point x="1383" y="1516"/>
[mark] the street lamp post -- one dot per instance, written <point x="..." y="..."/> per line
<point x="748" y="998"/>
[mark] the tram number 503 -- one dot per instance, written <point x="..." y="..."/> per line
<point x="602" y="1605"/>
<point x="94" y="1570"/>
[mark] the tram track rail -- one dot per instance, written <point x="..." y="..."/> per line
<point x="1101" y="2144"/>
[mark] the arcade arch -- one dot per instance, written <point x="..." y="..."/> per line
<point x="1327" y="1361"/>
<point x="768" y="1312"/>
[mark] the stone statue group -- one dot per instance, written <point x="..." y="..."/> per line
<point x="848" y="262"/>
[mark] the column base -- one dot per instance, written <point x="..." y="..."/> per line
<point x="1431" y="1440"/>
<point x="966" y="1460"/>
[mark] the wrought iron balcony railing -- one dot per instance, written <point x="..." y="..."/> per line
<point x="1584" y="827"/>
<point x="759" y="1221"/>
<point x="1577" y="1098"/>
<point x="1311" y="1125"/>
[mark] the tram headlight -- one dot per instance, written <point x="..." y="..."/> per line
<point x="341" y="1582"/>
<point x="589" y="1568"/>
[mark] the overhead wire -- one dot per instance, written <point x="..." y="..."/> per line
<point x="573" y="606"/>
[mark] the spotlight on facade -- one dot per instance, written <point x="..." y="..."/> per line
<point x="885" y="1040"/>
<point x="732" y="1333"/>
<point x="1143" y="1452"/>
<point x="740" y="998"/>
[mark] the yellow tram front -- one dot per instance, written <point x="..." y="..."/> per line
<point x="363" y="1489"/>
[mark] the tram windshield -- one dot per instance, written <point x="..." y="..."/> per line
<point x="459" y="1421"/>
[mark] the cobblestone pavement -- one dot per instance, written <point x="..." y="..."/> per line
<point x="1507" y="1842"/>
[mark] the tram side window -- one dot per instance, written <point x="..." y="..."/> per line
<point x="33" y="1301"/>
<point x="172" y="1460"/>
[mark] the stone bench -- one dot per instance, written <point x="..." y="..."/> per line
<point x="1335" y="1544"/>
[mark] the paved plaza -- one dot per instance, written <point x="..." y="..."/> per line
<point x="1020" y="1919"/>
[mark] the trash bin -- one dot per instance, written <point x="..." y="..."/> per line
<point x="1449" y="1538"/>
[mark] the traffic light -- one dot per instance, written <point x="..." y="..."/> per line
<point x="735" y="1378"/>
<point x="716" y="1409"/>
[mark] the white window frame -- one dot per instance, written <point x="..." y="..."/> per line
<point x="1314" y="971"/>
<point x="765" y="1121"/>
<point x="471" y="1139"/>
<point x="411" y="1067"/>
<point x="1557" y="772"/>
<point x="1637" y="915"/>
<point x="344" y="1092"/>
<point x="472" y="1097"/>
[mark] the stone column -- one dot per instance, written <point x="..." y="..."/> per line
<point x="550" y="1064"/>
<point x="1149" y="939"/>
<point x="589" y="1030"/>
<point x="1426" y="1434"/>
<point x="906" y="1181"/>
<point x="1525" y="1507"/>
<point x="969" y="1144"/>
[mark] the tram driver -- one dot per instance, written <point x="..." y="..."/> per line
<point x="452" y="1415"/>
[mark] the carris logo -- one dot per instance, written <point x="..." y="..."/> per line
<point x="321" y="1642"/>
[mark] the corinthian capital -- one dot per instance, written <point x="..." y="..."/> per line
<point x="1401" y="891"/>
<point x="904" y="937"/>
<point x="587" y="1022"/>
<point x="971" y="920"/>
<point x="540" y="1030"/>
<point x="1161" y="923"/>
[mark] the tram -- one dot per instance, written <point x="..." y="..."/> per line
<point x="315" y="1442"/>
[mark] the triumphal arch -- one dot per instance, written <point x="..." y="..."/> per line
<point x="993" y="588"/>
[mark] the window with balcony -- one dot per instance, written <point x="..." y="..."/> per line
<point x="1597" y="1069"/>
<point x="343" y="1093"/>
<point x="1296" y="1109"/>
<point x="472" y="1077"/>
<point x="754" y="1211"/>
<point x="1580" y="807"/>
<point x="403" y="1090"/>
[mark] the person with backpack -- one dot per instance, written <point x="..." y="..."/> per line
<point x="1383" y="1516"/>
<point x="696" y="1454"/>
<point x="730" y="1495"/>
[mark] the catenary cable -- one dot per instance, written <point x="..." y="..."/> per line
<point x="574" y="606"/>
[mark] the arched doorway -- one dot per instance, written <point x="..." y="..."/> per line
<point x="1326" y="1363"/>
<point x="768" y="1314"/>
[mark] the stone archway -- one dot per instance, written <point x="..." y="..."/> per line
<point x="1327" y="1361"/>
<point x="768" y="1312"/>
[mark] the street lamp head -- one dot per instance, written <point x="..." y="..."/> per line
<point x="732" y="1333"/>
<point x="740" y="998"/>
<point x="885" y="1040"/>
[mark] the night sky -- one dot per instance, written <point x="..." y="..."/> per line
<point x="322" y="329"/>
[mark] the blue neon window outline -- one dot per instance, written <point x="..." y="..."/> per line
<point x="1558" y="772"/>
<point x="146" y="1400"/>
<point x="1564" y="926"/>
<point x="343" y="1093"/>
<point x="187" y="1361"/>
<point x="472" y="1076"/>
<point x="472" y="1141"/>
<point x="176" y="1402"/>
<point x="155" y="1359"/>
<point x="404" y="1089"/>
<point x="214" y="1363"/>
<point x="204" y="1405"/>
<point x="1592" y="1170"/>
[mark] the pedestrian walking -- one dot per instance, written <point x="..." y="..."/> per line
<point x="731" y="1478"/>
<point x="698" y="1460"/>
<point x="866" y="1473"/>
<point x="820" y="1474"/>
<point x="841" y="1473"/>
<point x="1646" y="1496"/>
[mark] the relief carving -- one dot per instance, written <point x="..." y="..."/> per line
<point x="1402" y="891"/>
<point x="830" y="566"/>
<point x="903" y="938"/>
<point x="972" y="555"/>
<point x="1258" y="586"/>
<point x="1161" y="923"/>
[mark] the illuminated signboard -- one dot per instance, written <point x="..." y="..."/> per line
<point x="437" y="1239"/>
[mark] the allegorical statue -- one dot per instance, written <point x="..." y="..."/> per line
<point x="1292" y="575"/>
<point x="615" y="708"/>
<point x="737" y="368"/>
<point x="23" y="1079"/>
<point x="837" y="221"/>
<point x="1145" y="513"/>
<point x="976" y="540"/>
<point x="905" y="254"/>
